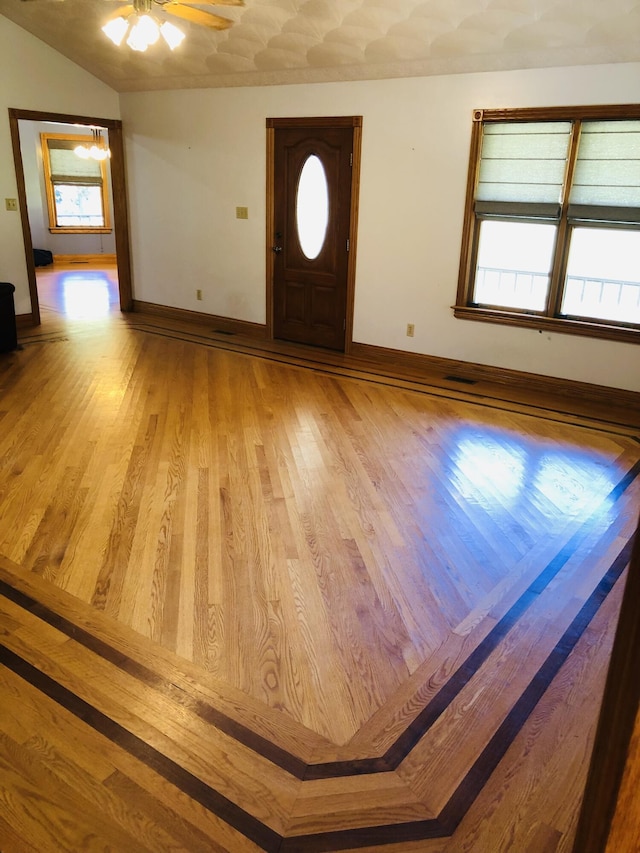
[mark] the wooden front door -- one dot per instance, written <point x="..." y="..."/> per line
<point x="311" y="230"/>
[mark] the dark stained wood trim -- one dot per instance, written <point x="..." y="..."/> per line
<point x="84" y="259"/>
<point x="216" y="323"/>
<point x="25" y="321"/>
<point x="121" y="216"/>
<point x="539" y="322"/>
<point x="315" y="121"/>
<point x="618" y="712"/>
<point x="513" y="379"/>
<point x="118" y="188"/>
<point x="24" y="215"/>
<point x="466" y="250"/>
<point x="554" y="399"/>
<point x="588" y="112"/>
<point x="353" y="234"/>
<point x="65" y="118"/>
<point x="432" y="372"/>
<point x="270" y="229"/>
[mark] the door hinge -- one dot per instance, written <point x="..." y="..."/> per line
<point x="351" y="159"/>
<point x="348" y="244"/>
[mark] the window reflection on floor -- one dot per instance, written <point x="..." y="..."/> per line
<point x="502" y="472"/>
<point x="482" y="463"/>
<point x="85" y="297"/>
<point x="87" y="294"/>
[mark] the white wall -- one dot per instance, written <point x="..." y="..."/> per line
<point x="194" y="155"/>
<point x="35" y="77"/>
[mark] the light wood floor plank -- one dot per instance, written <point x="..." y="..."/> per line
<point x="292" y="601"/>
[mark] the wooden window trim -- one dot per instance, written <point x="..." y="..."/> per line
<point x="54" y="228"/>
<point x="548" y="320"/>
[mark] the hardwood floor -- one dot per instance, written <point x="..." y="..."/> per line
<point x="254" y="597"/>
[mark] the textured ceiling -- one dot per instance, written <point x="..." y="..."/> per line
<point x="295" y="41"/>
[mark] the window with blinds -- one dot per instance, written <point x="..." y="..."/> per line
<point x="76" y="187"/>
<point x="606" y="182"/>
<point x="552" y="221"/>
<point x="522" y="169"/>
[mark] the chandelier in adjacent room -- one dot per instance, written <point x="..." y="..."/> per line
<point x="94" y="150"/>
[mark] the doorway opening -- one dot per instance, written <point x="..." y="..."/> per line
<point x="117" y="284"/>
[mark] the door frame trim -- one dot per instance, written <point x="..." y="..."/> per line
<point x="318" y="122"/>
<point x="118" y="189"/>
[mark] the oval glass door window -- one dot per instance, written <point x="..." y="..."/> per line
<point x="312" y="207"/>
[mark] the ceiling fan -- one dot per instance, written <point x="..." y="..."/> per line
<point x="137" y="21"/>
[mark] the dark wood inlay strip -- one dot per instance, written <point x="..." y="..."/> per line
<point x="381" y="376"/>
<point x="252" y="828"/>
<point x="495" y="750"/>
<point x="478" y="775"/>
<point x="206" y="712"/>
<point x="399" y="750"/>
<point x="193" y="787"/>
<point x="282" y="758"/>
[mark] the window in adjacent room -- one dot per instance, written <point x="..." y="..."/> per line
<point x="76" y="188"/>
<point x="552" y="223"/>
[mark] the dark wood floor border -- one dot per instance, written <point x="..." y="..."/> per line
<point x="401" y="748"/>
<point x="417" y="362"/>
<point x="612" y="755"/>
<point x="227" y="325"/>
<point x="384" y="375"/>
<point x="205" y="711"/>
<point x="471" y="371"/>
<point x="193" y="787"/>
<point x="283" y="758"/>
<point x="331" y="842"/>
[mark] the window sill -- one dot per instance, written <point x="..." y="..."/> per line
<point x="80" y="230"/>
<point x="541" y="323"/>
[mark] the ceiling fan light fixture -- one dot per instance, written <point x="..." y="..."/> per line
<point x="116" y="29"/>
<point x="138" y="26"/>
<point x="143" y="33"/>
<point x="171" y="34"/>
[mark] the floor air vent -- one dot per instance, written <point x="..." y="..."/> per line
<point x="222" y="332"/>
<point x="462" y="379"/>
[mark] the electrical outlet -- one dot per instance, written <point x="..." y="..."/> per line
<point x="410" y="330"/>
<point x="11" y="203"/>
<point x="242" y="212"/>
<point x="199" y="295"/>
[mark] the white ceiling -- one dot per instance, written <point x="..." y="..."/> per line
<point x="298" y="41"/>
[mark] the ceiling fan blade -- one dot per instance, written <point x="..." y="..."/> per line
<point x="163" y="3"/>
<point x="121" y="11"/>
<point x="203" y="2"/>
<point x="196" y="16"/>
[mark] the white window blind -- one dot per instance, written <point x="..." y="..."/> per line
<point x="522" y="168"/>
<point x="606" y="184"/>
<point x="68" y="168"/>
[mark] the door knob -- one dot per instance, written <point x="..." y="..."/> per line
<point x="277" y="249"/>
